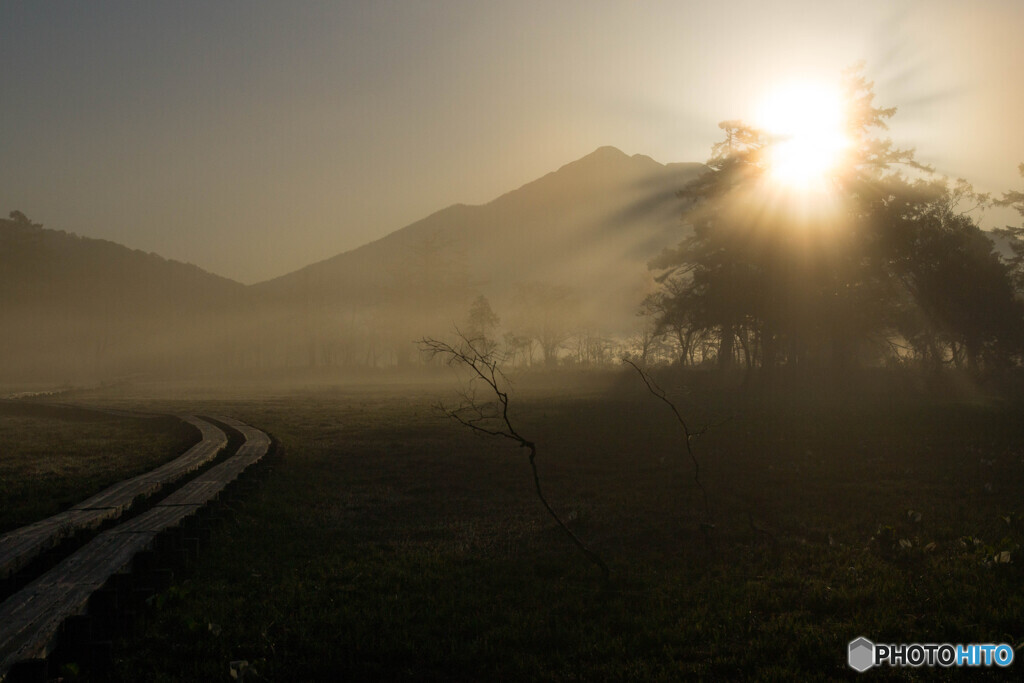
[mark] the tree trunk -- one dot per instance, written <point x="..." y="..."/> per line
<point x="725" y="348"/>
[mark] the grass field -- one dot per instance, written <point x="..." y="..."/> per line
<point x="388" y="543"/>
<point x="54" y="457"/>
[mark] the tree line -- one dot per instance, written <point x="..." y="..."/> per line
<point x="895" y="270"/>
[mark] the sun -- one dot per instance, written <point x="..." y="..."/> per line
<point x="807" y="123"/>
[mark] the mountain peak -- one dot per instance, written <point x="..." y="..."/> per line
<point x="608" y="159"/>
<point x="607" y="151"/>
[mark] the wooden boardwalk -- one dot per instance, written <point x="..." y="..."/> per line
<point x="30" y="620"/>
<point x="21" y="546"/>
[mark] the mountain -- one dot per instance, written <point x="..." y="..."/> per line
<point x="563" y="254"/>
<point x="574" y="225"/>
<point x="592" y="225"/>
<point x="71" y="304"/>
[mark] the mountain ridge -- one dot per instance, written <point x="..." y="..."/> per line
<point x="10" y="228"/>
<point x="581" y="234"/>
<point x="14" y="234"/>
<point x="592" y="173"/>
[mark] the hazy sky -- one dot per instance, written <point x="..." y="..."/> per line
<point x="252" y="138"/>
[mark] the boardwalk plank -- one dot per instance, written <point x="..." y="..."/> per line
<point x="22" y="545"/>
<point x="157" y="519"/>
<point x="30" y="619"/>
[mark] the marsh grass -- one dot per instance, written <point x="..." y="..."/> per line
<point x="54" y="457"/>
<point x="386" y="543"/>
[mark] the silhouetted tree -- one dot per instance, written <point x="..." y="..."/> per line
<point x="957" y="301"/>
<point x="677" y="312"/>
<point x="899" y="257"/>
<point x="546" y="313"/>
<point x="713" y="272"/>
<point x="22" y="219"/>
<point x="482" y="323"/>
<point x="647" y="344"/>
<point x="1015" y="235"/>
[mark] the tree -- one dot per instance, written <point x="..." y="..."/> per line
<point x="1014" y="236"/>
<point x="482" y="323"/>
<point x="958" y="292"/>
<point x="898" y="256"/>
<point x="648" y="343"/>
<point x="22" y="219"/>
<point x="517" y="349"/>
<point x="677" y="315"/>
<point x="712" y="273"/>
<point x="546" y="313"/>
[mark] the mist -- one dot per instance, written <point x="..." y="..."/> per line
<point x="627" y="341"/>
<point x="561" y="261"/>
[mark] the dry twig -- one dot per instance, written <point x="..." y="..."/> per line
<point x="706" y="524"/>
<point x="493" y="419"/>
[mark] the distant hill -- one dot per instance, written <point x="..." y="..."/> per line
<point x="53" y="266"/>
<point x="569" y="248"/>
<point x="71" y="304"/>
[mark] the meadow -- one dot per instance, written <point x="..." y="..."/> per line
<point x="52" y="457"/>
<point x="386" y="542"/>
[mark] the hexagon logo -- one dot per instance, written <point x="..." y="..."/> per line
<point x="862" y="654"/>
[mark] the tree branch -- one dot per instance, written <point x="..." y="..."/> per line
<point x="485" y="366"/>
<point x="658" y="392"/>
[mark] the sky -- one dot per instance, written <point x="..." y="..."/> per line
<point x="253" y="138"/>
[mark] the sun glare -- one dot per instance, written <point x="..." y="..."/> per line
<point x="807" y="122"/>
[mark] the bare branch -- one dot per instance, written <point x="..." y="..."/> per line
<point x="472" y="413"/>
<point x="658" y="392"/>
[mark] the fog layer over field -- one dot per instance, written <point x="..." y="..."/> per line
<point x="562" y="257"/>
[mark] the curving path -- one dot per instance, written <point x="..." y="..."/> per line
<point x="24" y="544"/>
<point x="30" y="620"/>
